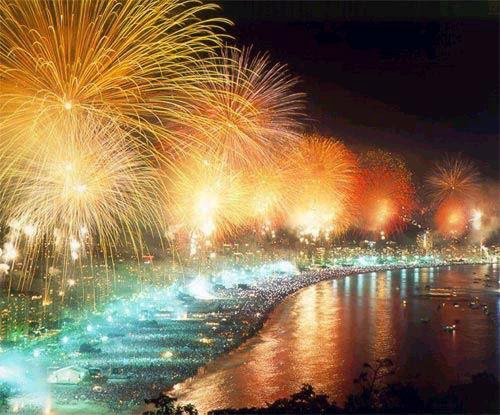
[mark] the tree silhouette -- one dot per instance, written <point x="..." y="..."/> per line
<point x="165" y="405"/>
<point x="376" y="395"/>
<point x="304" y="401"/>
<point x="479" y="395"/>
<point x="372" y="381"/>
<point x="401" y="398"/>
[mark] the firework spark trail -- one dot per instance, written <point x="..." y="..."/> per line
<point x="268" y="195"/>
<point x="453" y="177"/>
<point x="249" y="111"/>
<point x="69" y="69"/>
<point x="91" y="185"/>
<point x="127" y="62"/>
<point x="454" y="188"/>
<point x="451" y="218"/>
<point x="207" y="197"/>
<point x="386" y="196"/>
<point x="97" y="97"/>
<point x="323" y="176"/>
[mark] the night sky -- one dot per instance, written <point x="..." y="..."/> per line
<point x="420" y="79"/>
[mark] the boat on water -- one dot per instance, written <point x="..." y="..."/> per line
<point x="439" y="292"/>
<point x="450" y="328"/>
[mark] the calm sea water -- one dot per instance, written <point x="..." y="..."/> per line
<point x="323" y="334"/>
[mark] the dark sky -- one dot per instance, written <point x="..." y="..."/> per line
<point x="420" y="79"/>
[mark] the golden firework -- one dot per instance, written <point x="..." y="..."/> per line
<point x="84" y="188"/>
<point x="206" y="197"/>
<point x="126" y="61"/>
<point x="268" y="195"/>
<point x="323" y="176"/>
<point x="249" y="110"/>
<point x="454" y="177"/>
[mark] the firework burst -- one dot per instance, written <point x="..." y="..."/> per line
<point x="206" y="197"/>
<point x="386" y="197"/>
<point x="451" y="218"/>
<point x="323" y="177"/>
<point x="117" y="60"/>
<point x="268" y="192"/>
<point x="484" y="215"/>
<point x="84" y="187"/>
<point x="454" y="178"/>
<point x="249" y="110"/>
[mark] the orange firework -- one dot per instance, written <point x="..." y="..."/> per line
<point x="267" y="195"/>
<point x="248" y="110"/>
<point x="323" y="178"/>
<point x="454" y="177"/>
<point x="451" y="218"/>
<point x="387" y="196"/>
<point x="207" y="198"/>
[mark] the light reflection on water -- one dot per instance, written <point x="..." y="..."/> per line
<point x="323" y="334"/>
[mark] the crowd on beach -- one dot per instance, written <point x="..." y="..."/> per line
<point x="144" y="347"/>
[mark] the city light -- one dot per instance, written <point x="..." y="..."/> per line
<point x="163" y="188"/>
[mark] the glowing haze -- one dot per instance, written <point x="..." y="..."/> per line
<point x="119" y="120"/>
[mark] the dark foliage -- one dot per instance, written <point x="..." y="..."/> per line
<point x="88" y="348"/>
<point x="375" y="394"/>
<point x="371" y="380"/>
<point x="305" y="401"/>
<point x="480" y="395"/>
<point x="165" y="405"/>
